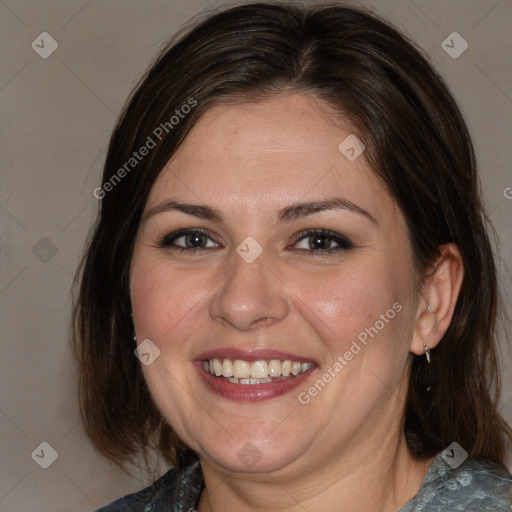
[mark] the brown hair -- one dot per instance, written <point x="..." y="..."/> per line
<point x="416" y="142"/>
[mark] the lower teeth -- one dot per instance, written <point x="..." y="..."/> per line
<point x="256" y="381"/>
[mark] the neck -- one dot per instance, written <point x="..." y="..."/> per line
<point x="383" y="479"/>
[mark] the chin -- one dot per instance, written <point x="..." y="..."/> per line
<point x="251" y="450"/>
<point x="251" y="458"/>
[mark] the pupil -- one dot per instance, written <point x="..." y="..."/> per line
<point x="319" y="242"/>
<point x="195" y="240"/>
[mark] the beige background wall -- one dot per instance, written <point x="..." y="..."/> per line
<point x="56" y="116"/>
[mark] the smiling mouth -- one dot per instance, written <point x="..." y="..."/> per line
<point x="238" y="371"/>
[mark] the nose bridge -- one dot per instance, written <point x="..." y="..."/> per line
<point x="248" y="294"/>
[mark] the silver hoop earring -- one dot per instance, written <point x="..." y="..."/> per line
<point x="429" y="308"/>
<point x="427" y="353"/>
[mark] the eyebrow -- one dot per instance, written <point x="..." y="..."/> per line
<point x="301" y="210"/>
<point x="287" y="214"/>
<point x="197" y="210"/>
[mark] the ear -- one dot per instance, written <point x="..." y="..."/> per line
<point x="440" y="292"/>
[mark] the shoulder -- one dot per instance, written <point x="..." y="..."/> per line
<point x="180" y="486"/>
<point x="474" y="486"/>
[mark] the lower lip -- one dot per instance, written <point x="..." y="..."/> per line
<point x="250" y="392"/>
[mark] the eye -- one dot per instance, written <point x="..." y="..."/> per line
<point x="188" y="240"/>
<point x="321" y="241"/>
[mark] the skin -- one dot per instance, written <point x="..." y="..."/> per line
<point x="346" y="446"/>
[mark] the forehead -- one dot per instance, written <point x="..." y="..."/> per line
<point x="279" y="150"/>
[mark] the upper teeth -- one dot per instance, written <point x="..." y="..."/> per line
<point x="240" y="369"/>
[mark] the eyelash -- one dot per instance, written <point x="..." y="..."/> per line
<point x="343" y="242"/>
<point x="168" y="241"/>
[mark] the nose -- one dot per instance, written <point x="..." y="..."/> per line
<point x="249" y="296"/>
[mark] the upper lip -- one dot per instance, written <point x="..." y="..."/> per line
<point x="257" y="354"/>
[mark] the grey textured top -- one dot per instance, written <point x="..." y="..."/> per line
<point x="474" y="486"/>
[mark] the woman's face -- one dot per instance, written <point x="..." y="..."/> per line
<point x="263" y="252"/>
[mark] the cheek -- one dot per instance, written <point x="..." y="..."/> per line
<point x="351" y="304"/>
<point x="164" y="299"/>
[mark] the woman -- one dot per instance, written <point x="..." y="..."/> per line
<point x="279" y="292"/>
